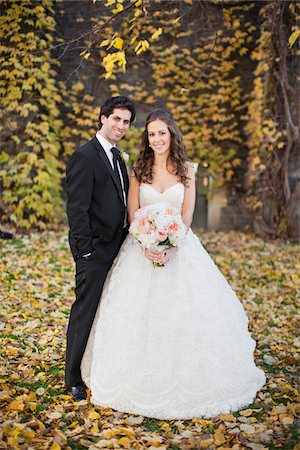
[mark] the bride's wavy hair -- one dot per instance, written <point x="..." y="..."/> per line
<point x="177" y="157"/>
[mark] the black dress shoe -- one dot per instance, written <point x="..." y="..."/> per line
<point x="78" y="393"/>
<point x="6" y="235"/>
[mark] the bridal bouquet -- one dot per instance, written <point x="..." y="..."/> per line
<point x="158" y="226"/>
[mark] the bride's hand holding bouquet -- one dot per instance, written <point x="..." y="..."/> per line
<point x="160" y="229"/>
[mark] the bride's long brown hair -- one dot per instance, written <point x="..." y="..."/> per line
<point x="177" y="157"/>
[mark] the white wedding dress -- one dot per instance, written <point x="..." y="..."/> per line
<point x="170" y="342"/>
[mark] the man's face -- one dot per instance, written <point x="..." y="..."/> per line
<point x="114" y="126"/>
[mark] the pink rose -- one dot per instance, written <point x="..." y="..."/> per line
<point x="161" y="235"/>
<point x="173" y="227"/>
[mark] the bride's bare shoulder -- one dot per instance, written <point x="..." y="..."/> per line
<point x="190" y="169"/>
<point x="133" y="179"/>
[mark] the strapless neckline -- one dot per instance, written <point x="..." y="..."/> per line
<point x="161" y="193"/>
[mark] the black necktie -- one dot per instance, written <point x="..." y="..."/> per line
<point x="116" y="158"/>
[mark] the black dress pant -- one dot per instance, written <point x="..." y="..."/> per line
<point x="90" y="278"/>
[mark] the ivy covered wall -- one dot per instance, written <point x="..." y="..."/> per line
<point x="223" y="68"/>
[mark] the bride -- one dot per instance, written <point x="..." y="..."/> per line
<point x="169" y="342"/>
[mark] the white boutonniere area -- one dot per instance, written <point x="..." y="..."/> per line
<point x="124" y="156"/>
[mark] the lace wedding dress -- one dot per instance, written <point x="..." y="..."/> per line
<point x="170" y="342"/>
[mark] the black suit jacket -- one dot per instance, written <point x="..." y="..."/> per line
<point x="95" y="204"/>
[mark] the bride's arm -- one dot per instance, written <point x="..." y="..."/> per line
<point x="189" y="197"/>
<point x="187" y="208"/>
<point x="133" y="196"/>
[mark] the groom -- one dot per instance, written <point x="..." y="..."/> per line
<point x="97" y="187"/>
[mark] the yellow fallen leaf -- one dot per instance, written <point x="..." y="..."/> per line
<point x="15" y="376"/>
<point x="252" y="420"/>
<point x="17" y="430"/>
<point x="40" y="391"/>
<point x="286" y="419"/>
<point x="31" y="397"/>
<point x="123" y="430"/>
<point x="228" y="417"/>
<point x="249" y="429"/>
<point x="41" y="426"/>
<point x="219" y="438"/>
<point x="165" y="426"/>
<point x="86" y="443"/>
<point x="95" y="429"/>
<point x="186" y="433"/>
<point x="13" y="442"/>
<point x="59" y="437"/>
<point x="205" y="423"/>
<point x="246" y="412"/>
<point x="94" y="415"/>
<point x="134" y="420"/>
<point x="41" y="376"/>
<point x="107" y="434"/>
<point x="54" y="415"/>
<point x="206" y="442"/>
<point x="32" y="406"/>
<point x="161" y="447"/>
<point x="16" y="405"/>
<point x="279" y="409"/>
<point x="125" y="442"/>
<point x="29" y="434"/>
<point x="65" y="396"/>
<point x="55" y="446"/>
<point x="5" y="395"/>
<point x="103" y="443"/>
<point x="154" y="443"/>
<point x="75" y="431"/>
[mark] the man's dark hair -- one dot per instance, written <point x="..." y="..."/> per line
<point x="117" y="102"/>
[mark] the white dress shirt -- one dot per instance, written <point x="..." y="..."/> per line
<point x="107" y="146"/>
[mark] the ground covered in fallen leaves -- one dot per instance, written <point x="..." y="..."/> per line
<point x="36" y="293"/>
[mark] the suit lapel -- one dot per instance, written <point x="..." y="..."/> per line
<point x="107" y="164"/>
